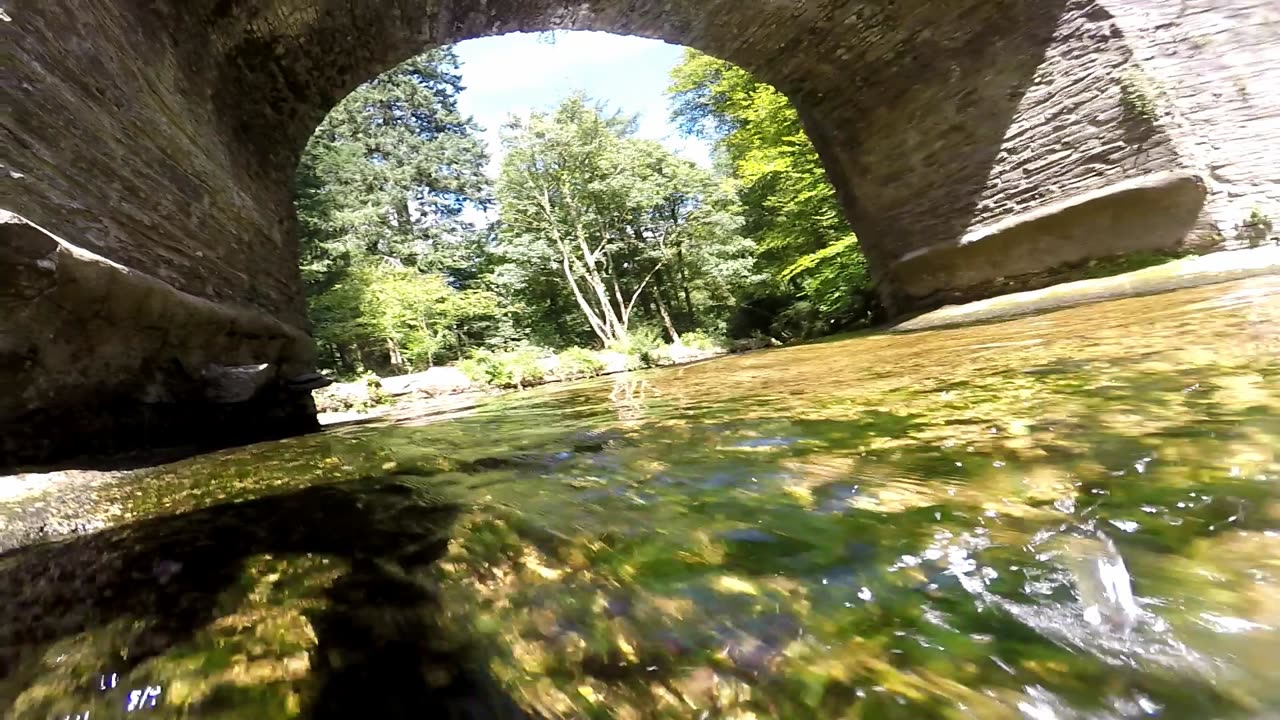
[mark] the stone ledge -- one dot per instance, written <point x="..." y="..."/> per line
<point x="1158" y="212"/>
<point x="128" y="297"/>
<point x="99" y="358"/>
<point x="1219" y="267"/>
<point x="1149" y="182"/>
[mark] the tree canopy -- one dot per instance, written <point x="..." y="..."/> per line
<point x="589" y="236"/>
<point x="817" y="275"/>
<point x="623" y="226"/>
<point x="390" y="172"/>
<point x="387" y="252"/>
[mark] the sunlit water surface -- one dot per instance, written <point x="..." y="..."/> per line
<point x="943" y="524"/>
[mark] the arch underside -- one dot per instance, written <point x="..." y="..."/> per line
<point x="160" y="139"/>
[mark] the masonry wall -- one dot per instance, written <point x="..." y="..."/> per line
<point x="1214" y="66"/>
<point x="978" y="146"/>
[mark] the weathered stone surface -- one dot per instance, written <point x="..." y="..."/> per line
<point x="236" y="384"/>
<point x="95" y="357"/>
<point x="1149" y="213"/>
<point x="977" y="145"/>
<point x="1180" y="274"/>
<point x="307" y="381"/>
<point x="1214" y="66"/>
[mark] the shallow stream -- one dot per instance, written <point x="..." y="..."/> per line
<point x="1073" y="515"/>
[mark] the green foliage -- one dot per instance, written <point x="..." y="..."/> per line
<point x="1138" y="95"/>
<point x="642" y="340"/>
<point x="380" y="194"/>
<point x="1106" y="267"/>
<point x="374" y="396"/>
<point x="338" y="398"/>
<point x="827" y="277"/>
<point x="613" y="227"/>
<point x="510" y="369"/>
<point x="654" y="357"/>
<point x="603" y="238"/>
<point x="527" y="366"/>
<point x="1256" y="228"/>
<point x="399" y="319"/>
<point x="813" y="264"/>
<point x="703" y="341"/>
<point x="576" y="363"/>
<point x="389" y="173"/>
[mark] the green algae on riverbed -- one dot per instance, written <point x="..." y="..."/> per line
<point x="882" y="527"/>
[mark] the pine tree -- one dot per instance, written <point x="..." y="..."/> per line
<point x="387" y="253"/>
<point x="390" y="172"/>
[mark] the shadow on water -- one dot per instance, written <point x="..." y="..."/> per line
<point x="151" y="587"/>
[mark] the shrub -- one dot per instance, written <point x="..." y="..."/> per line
<point x="638" y="341"/>
<point x="699" y="340"/>
<point x="477" y="365"/>
<point x="1138" y="95"/>
<point x="360" y="395"/>
<point x="513" y="369"/>
<point x="1256" y="228"/>
<point x="577" y="362"/>
<point x="654" y="357"/>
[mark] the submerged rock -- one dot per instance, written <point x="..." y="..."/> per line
<point x="756" y="343"/>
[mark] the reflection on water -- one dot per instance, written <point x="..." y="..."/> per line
<point x="1075" y="515"/>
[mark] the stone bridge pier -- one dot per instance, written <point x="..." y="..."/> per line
<point x="978" y="146"/>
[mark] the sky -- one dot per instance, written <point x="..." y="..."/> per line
<point x="520" y="72"/>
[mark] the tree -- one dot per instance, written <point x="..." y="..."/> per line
<point x="396" y="318"/>
<point x="387" y="253"/>
<point x="601" y="236"/>
<point x="390" y="172"/>
<point x="818" y="278"/>
<point x="623" y="226"/>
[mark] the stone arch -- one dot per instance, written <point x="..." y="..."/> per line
<point x="911" y="105"/>
<point x="977" y="146"/>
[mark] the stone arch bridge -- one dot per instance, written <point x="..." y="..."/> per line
<point x="149" y="287"/>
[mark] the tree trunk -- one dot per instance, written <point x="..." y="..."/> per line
<point x="393" y="353"/>
<point x="684" y="284"/>
<point x="618" y="328"/>
<point x="623" y="308"/>
<point x="666" y="316"/>
<point x="598" y="324"/>
<point x="344" y="358"/>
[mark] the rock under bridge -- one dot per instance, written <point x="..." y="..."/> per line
<point x="978" y="146"/>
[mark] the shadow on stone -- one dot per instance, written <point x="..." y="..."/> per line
<point x="126" y="435"/>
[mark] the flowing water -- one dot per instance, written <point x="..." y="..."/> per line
<point x="1075" y="515"/>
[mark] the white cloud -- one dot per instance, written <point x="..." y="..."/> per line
<point x="518" y="73"/>
<point x="520" y="60"/>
